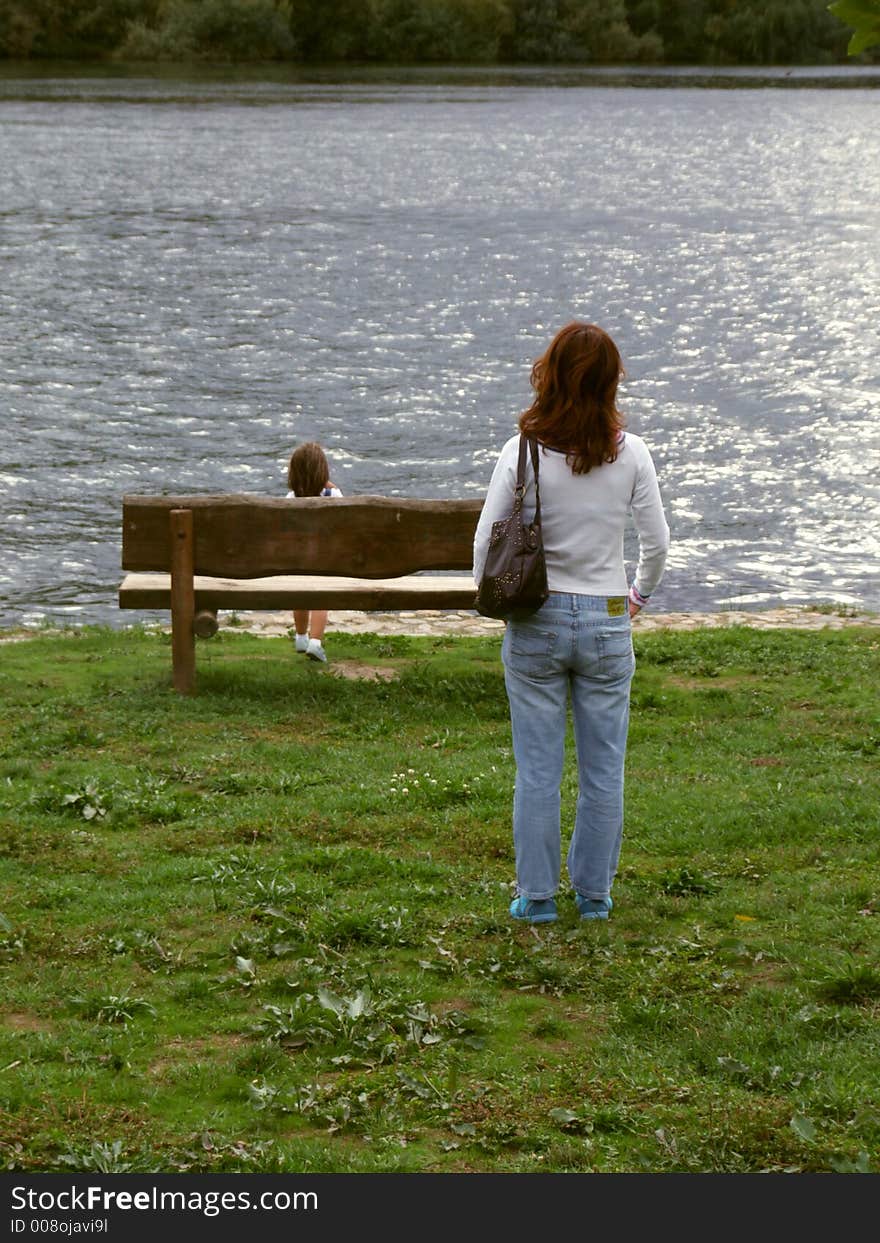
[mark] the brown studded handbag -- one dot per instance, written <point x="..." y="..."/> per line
<point x="514" y="582"/>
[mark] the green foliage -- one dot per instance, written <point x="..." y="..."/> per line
<point x="864" y="15"/>
<point x="100" y="1158"/>
<point x="753" y="32"/>
<point x="855" y="983"/>
<point x="216" y="30"/>
<point x="113" y="1009"/>
<point x="576" y="30"/>
<point x="72" y="28"/>
<point x="441" y="31"/>
<point x="777" y="33"/>
<point x="372" y="1026"/>
<point x="685" y="881"/>
<point x="333" y="31"/>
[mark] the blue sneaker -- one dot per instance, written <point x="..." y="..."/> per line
<point x="593" y="908"/>
<point x="533" y="910"/>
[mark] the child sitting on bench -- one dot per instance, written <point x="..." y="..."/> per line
<point x="308" y="474"/>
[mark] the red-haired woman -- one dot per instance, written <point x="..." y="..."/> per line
<point x="594" y="478"/>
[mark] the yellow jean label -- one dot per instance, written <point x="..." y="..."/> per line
<point x="616" y="606"/>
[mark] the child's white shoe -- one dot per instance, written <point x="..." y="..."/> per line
<point x="315" y="650"/>
<point x="301" y="642"/>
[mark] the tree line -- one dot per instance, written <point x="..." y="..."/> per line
<point x="708" y="32"/>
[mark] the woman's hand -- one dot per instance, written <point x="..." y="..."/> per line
<point x="634" y="609"/>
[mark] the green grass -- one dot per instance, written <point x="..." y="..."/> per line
<point x="265" y="928"/>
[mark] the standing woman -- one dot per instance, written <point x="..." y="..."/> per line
<point x="593" y="477"/>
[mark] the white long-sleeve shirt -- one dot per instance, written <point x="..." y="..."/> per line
<point x="584" y="517"/>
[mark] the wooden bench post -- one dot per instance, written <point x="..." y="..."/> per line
<point x="183" y="642"/>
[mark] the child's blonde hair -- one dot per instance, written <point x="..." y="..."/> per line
<point x="308" y="472"/>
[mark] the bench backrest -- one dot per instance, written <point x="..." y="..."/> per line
<point x="248" y="536"/>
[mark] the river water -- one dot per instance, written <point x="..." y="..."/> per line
<point x="197" y="274"/>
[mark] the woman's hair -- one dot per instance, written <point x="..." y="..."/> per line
<point x="575" y="408"/>
<point x="307" y="471"/>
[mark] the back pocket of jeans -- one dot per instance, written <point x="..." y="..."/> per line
<point x="616" y="655"/>
<point x="526" y="649"/>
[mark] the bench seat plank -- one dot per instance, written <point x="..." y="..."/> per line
<point x="410" y="591"/>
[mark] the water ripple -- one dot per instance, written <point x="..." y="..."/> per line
<point x="195" y="279"/>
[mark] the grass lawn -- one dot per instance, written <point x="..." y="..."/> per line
<point x="265" y="929"/>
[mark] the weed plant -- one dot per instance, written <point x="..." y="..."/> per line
<point x="265" y="928"/>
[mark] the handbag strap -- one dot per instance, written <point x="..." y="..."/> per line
<point x="526" y="443"/>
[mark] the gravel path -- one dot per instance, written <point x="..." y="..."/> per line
<point x="452" y="622"/>
<point x="463" y="622"/>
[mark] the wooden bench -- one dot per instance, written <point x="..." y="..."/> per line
<point x="197" y="554"/>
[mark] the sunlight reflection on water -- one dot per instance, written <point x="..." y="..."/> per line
<point x="198" y="279"/>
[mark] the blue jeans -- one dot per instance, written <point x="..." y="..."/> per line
<point x="572" y="644"/>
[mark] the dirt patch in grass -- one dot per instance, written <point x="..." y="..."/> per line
<point x="770" y="975"/>
<point x="180" y="1050"/>
<point x="730" y="682"/>
<point x="452" y="1005"/>
<point x="21" y="1021"/>
<point x="354" y="671"/>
